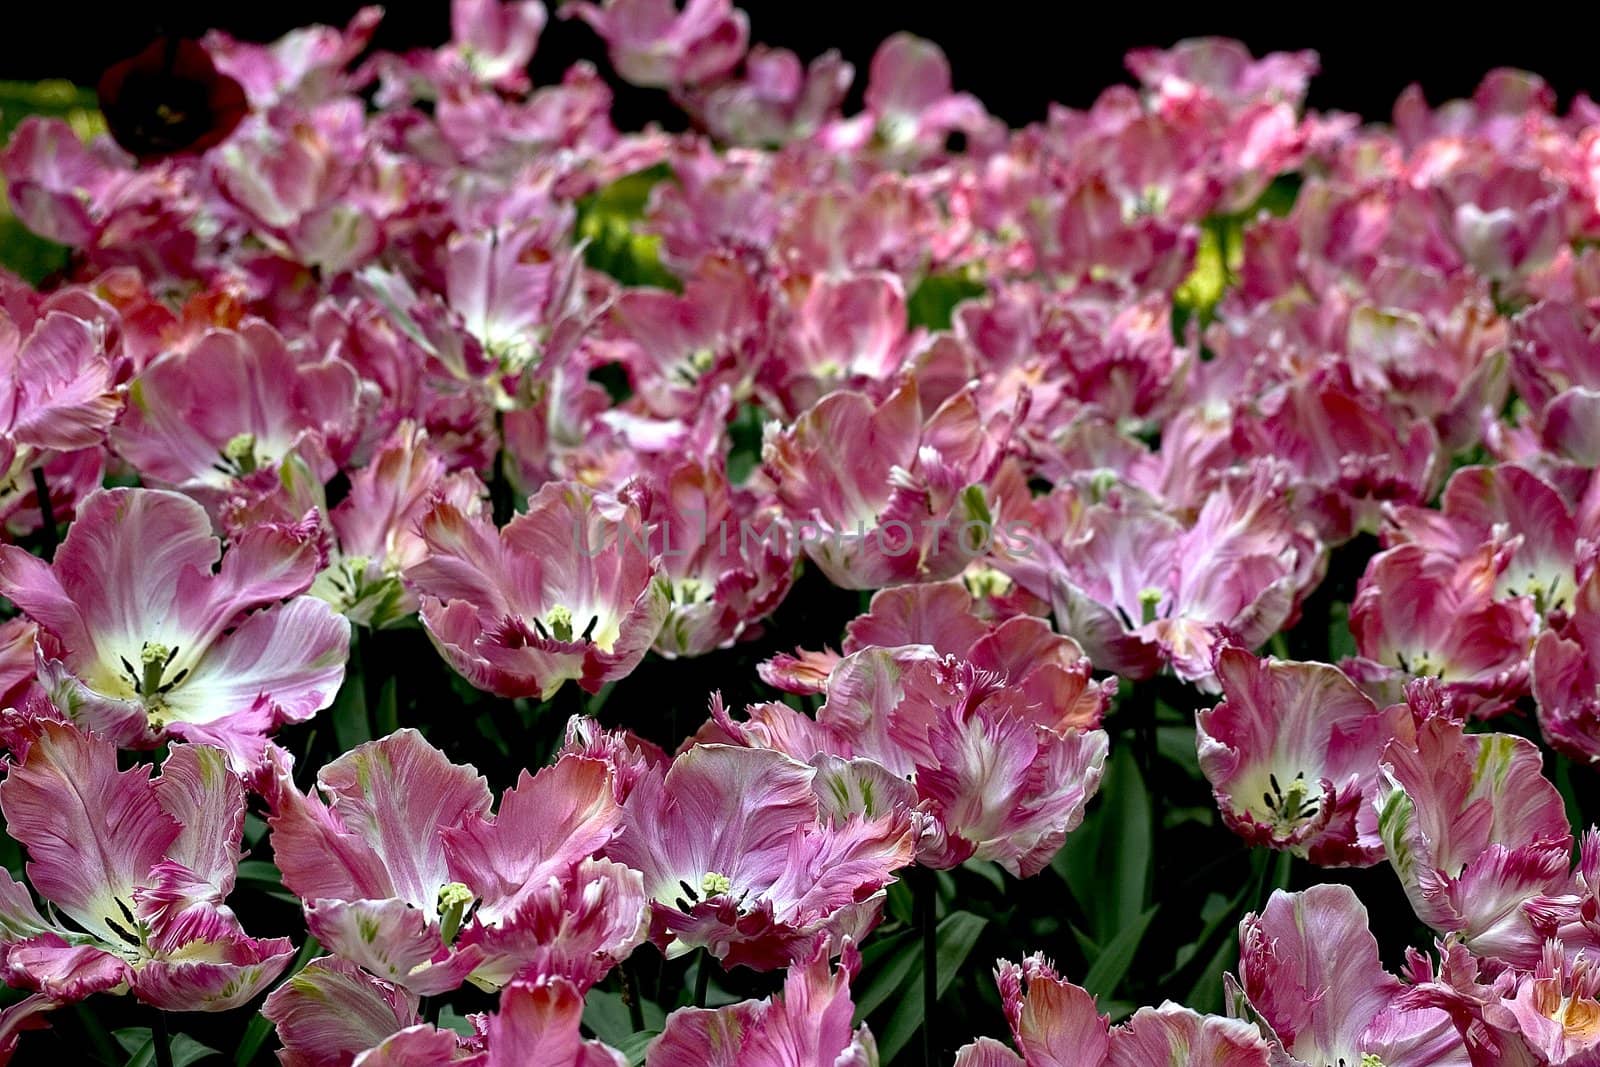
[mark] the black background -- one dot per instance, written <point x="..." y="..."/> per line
<point x="1016" y="57"/>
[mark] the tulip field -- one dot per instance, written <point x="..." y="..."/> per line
<point x="834" y="580"/>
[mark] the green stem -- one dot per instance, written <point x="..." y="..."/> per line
<point x="925" y="885"/>
<point x="630" y="995"/>
<point x="1141" y="710"/>
<point x="502" y="501"/>
<point x="161" y="1040"/>
<point x="1274" y="867"/>
<point x="702" y="980"/>
<point x="47" y="512"/>
<point x="105" y="1050"/>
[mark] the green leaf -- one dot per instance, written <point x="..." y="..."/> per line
<point x="1107" y="970"/>
<point x="351" y="726"/>
<point x="254" y="1036"/>
<point x="261" y="873"/>
<point x="1279" y="197"/>
<point x="388" y="713"/>
<point x="1206" y="994"/>
<point x="607" y="1017"/>
<point x="1569" y="795"/>
<point x="956" y="935"/>
<point x="1341" y="641"/>
<point x="1087" y="945"/>
<point x="989" y="871"/>
<point x="1176" y="744"/>
<point x="900" y="906"/>
<point x="606" y="223"/>
<point x="260" y="1026"/>
<point x="1202" y="289"/>
<point x="21" y="250"/>
<point x="25" y="253"/>
<point x="885" y="963"/>
<point x="744" y="437"/>
<point x="1214" y="912"/>
<point x="90" y="1026"/>
<point x="263" y="877"/>
<point x="52" y="98"/>
<point x="489" y="728"/>
<point x="11" y="856"/>
<point x="934" y="300"/>
<point x="633" y="1046"/>
<point x="450" y="1019"/>
<point x="1106" y="862"/>
<point x="139" y="1043"/>
<point x="628" y="196"/>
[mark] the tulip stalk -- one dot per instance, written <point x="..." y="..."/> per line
<point x="161" y="1040"/>
<point x="47" y="513"/>
<point x="702" y="979"/>
<point x="630" y="996"/>
<point x="924" y="884"/>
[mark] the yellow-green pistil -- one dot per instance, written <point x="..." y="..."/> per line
<point x="149" y="677"/>
<point x="241" y="452"/>
<point x="454" y="899"/>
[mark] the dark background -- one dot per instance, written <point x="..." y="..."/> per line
<point x="1014" y="56"/>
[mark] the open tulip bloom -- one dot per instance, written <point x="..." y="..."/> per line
<point x="144" y="634"/>
<point x="602" y="596"/>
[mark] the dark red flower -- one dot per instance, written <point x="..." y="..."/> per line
<point x="170" y="99"/>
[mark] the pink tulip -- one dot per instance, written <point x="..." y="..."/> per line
<point x="655" y="43"/>
<point x="1057" y="1024"/>
<point x="570" y="589"/>
<point x="741" y="856"/>
<point x="460" y="893"/>
<point x="1292" y="756"/>
<point x="142" y="635"/>
<point x="140" y="866"/>
<point x="808" y="1024"/>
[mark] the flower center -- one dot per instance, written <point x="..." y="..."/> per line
<point x="1292" y="806"/>
<point x="559" y="621"/>
<point x="1422" y="664"/>
<point x="712" y="884"/>
<point x="690" y="591"/>
<point x="1149" y="601"/>
<point x="239" y="454"/>
<point x="149" y="677"/>
<point x="983" y="582"/>
<point x="454" y="901"/>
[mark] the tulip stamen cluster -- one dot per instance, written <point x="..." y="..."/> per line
<point x="131" y="930"/>
<point x="1289" y="808"/>
<point x="455" y="905"/>
<point x="148" y="680"/>
<point x="239" y="455"/>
